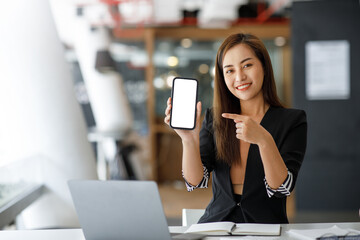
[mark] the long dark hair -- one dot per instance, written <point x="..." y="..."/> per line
<point x="227" y="145"/>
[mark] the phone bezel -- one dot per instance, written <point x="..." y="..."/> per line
<point x="196" y="99"/>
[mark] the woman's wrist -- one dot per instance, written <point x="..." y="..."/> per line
<point x="266" y="140"/>
<point x="192" y="141"/>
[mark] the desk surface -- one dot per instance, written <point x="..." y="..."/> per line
<point x="76" y="234"/>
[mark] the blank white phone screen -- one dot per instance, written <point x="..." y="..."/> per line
<point x="183" y="103"/>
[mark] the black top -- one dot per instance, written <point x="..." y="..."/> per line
<point x="288" y="128"/>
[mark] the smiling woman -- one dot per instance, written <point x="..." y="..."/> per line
<point x="244" y="75"/>
<point x="251" y="144"/>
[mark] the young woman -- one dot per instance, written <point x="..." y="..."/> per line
<point x="253" y="146"/>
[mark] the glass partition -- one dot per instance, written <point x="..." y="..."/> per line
<point x="196" y="59"/>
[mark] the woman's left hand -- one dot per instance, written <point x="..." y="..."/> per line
<point x="247" y="129"/>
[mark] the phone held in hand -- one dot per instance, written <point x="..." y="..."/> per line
<point x="183" y="103"/>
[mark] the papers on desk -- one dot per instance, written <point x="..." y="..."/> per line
<point x="313" y="234"/>
<point x="250" y="238"/>
<point x="230" y="228"/>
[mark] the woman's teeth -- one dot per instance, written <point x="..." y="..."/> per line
<point x="243" y="86"/>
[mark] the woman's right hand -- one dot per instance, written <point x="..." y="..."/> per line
<point x="185" y="135"/>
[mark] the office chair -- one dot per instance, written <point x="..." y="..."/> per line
<point x="191" y="216"/>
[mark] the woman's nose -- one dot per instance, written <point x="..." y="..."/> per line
<point x="240" y="76"/>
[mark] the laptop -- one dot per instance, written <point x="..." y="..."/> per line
<point x="121" y="210"/>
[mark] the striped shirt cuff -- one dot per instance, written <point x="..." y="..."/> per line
<point x="203" y="184"/>
<point x="283" y="190"/>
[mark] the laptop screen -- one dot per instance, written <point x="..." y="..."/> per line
<point x="119" y="209"/>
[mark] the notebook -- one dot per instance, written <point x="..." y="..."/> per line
<point x="119" y="209"/>
<point x="230" y="228"/>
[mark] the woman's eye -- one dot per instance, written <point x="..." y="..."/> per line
<point x="228" y="71"/>
<point x="247" y="65"/>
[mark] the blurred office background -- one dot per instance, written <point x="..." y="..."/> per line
<point x="84" y="84"/>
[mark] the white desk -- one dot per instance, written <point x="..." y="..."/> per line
<point x="53" y="234"/>
<point x="76" y="234"/>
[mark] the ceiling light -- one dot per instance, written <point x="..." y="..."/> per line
<point x="172" y="61"/>
<point x="280" y="41"/>
<point x="186" y="42"/>
<point x="203" y="68"/>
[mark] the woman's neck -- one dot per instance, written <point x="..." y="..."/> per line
<point x="254" y="107"/>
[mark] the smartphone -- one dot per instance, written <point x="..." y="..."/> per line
<point x="183" y="103"/>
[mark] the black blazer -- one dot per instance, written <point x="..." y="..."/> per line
<point x="289" y="130"/>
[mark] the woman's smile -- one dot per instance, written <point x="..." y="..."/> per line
<point x="243" y="87"/>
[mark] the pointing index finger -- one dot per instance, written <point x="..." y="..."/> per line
<point x="235" y="117"/>
<point x="229" y="115"/>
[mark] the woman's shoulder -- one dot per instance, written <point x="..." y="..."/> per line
<point x="209" y="112"/>
<point x="289" y="113"/>
<point x="208" y="118"/>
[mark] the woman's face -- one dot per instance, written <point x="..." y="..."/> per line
<point x="243" y="73"/>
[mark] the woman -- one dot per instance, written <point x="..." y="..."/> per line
<point x="253" y="146"/>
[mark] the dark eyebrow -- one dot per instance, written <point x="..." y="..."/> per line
<point x="246" y="59"/>
<point x="230" y="65"/>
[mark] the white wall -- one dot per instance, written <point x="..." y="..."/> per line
<point x="39" y="115"/>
